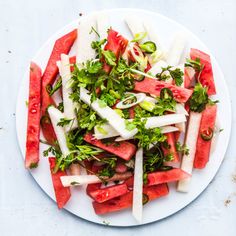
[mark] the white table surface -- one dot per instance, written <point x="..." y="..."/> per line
<point x="24" y="208"/>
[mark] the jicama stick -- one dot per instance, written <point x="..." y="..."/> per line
<point x="135" y="26"/>
<point x="191" y="141"/>
<point x="159" y="54"/>
<point x="75" y="180"/>
<point x="164" y="130"/>
<point x="176" y="49"/>
<point x="106" y="112"/>
<point x="69" y="107"/>
<point x="181" y="110"/>
<point x="107" y="131"/>
<point x="137" y="208"/>
<point x="85" y="38"/>
<point x="103" y="25"/>
<point x="56" y="116"/>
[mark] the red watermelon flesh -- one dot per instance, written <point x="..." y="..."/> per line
<point x="153" y="86"/>
<point x="124" y="149"/>
<point x="203" y="147"/>
<point x="206" y="76"/>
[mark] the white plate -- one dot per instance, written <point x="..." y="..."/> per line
<point x="80" y="203"/>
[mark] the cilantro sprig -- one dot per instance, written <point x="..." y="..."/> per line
<point x="176" y="74"/>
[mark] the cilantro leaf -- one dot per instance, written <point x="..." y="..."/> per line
<point x="176" y="74"/>
<point x="182" y="148"/>
<point x="110" y="57"/>
<point x="199" y="98"/>
<point x="63" y="122"/>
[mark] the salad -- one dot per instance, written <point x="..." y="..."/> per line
<point x="123" y="116"/>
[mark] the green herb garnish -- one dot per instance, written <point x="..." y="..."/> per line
<point x="175" y="74"/>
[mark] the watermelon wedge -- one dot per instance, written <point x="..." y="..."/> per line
<point x="171" y="149"/>
<point x="206" y="76"/>
<point x="33" y="125"/>
<point x="62" y="45"/>
<point x="153" y="86"/>
<point x="48" y="131"/>
<point x="172" y="175"/>
<point x="115" y="43"/>
<point x="125" y="201"/>
<point x="105" y="194"/>
<point x="204" y="146"/>
<point x="62" y="193"/>
<point x="161" y="177"/>
<point x="124" y="150"/>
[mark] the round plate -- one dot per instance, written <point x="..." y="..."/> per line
<point x="80" y="203"/>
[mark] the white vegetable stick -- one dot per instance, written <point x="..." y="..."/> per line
<point x="135" y="25"/>
<point x="85" y="38"/>
<point x="152" y="122"/>
<point x="74" y="180"/>
<point x="107" y="131"/>
<point x="153" y="36"/>
<point x="69" y="108"/>
<point x="164" y="130"/>
<point x="103" y="24"/>
<point x="157" y="68"/>
<point x="158" y="121"/>
<point x="55" y="116"/>
<point x="176" y="49"/>
<point x="106" y="112"/>
<point x="191" y="141"/>
<point x="180" y="109"/>
<point x="137" y="208"/>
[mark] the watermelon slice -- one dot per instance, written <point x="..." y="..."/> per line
<point x="33" y="126"/>
<point x="122" y="149"/>
<point x="204" y="146"/>
<point x="72" y="62"/>
<point x="161" y="177"/>
<point x="153" y="86"/>
<point x="171" y="149"/>
<point x="62" y="193"/>
<point x="189" y="77"/>
<point x="115" y="43"/>
<point x="206" y="76"/>
<point x="125" y="201"/>
<point x="62" y="45"/>
<point x="48" y="131"/>
<point x="172" y="175"/>
<point x="105" y="194"/>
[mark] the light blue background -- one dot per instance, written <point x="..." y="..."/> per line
<point x="24" y="209"/>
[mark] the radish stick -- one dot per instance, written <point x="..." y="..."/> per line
<point x="69" y="108"/>
<point x="56" y="116"/>
<point x="137" y="208"/>
<point x="106" y="112"/>
<point x="191" y="141"/>
<point x="85" y="38"/>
